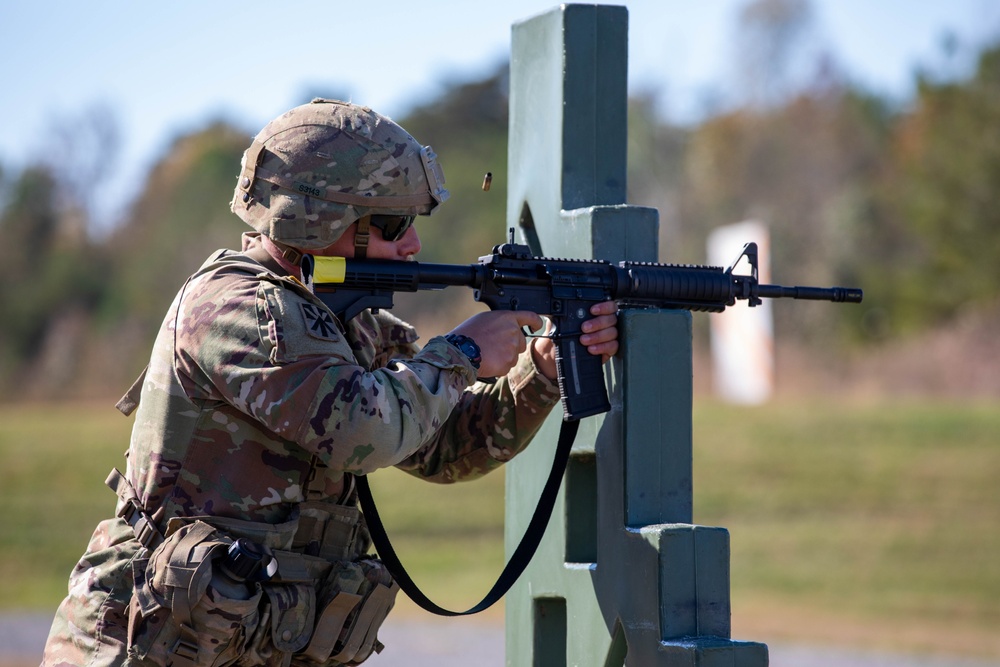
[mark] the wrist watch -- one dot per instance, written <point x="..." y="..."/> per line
<point x="468" y="348"/>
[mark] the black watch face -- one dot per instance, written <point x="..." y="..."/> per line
<point x="471" y="350"/>
<point x="467" y="346"/>
<point x="476" y="357"/>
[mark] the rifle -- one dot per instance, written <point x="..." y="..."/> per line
<point x="510" y="278"/>
<point x="563" y="289"/>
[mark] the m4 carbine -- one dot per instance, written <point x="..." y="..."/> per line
<point x="563" y="289"/>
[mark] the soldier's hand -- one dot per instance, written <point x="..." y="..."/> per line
<point x="499" y="337"/>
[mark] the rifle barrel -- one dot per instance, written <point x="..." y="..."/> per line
<point x="835" y="294"/>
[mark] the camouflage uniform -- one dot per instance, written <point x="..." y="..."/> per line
<point x="258" y="402"/>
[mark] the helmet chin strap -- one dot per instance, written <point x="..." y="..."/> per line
<point x="361" y="237"/>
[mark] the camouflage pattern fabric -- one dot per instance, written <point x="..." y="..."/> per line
<point x="257" y="399"/>
<point x="292" y="189"/>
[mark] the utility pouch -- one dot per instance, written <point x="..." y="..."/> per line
<point x="287" y="610"/>
<point x="354" y="600"/>
<point x="293" y="614"/>
<point x="330" y="531"/>
<point x="185" y="610"/>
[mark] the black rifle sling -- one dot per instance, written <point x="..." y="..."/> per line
<point x="518" y="560"/>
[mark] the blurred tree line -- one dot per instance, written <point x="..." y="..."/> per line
<point x="857" y="190"/>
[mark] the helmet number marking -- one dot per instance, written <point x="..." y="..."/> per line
<point x="305" y="188"/>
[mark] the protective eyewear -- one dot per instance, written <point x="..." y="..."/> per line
<point x="392" y="226"/>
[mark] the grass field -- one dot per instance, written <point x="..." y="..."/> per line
<point x="876" y="525"/>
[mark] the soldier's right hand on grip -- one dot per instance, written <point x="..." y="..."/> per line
<point x="500" y="338"/>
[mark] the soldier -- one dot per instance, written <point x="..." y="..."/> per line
<point x="237" y="537"/>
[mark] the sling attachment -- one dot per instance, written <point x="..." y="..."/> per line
<point x="519" y="559"/>
<point x="131" y="510"/>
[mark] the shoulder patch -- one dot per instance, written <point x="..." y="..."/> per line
<point x="319" y="322"/>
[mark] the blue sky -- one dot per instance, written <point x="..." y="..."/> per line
<point x="164" y="68"/>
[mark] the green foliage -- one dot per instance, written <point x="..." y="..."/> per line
<point x="656" y="156"/>
<point x="802" y="169"/>
<point x="940" y="194"/>
<point x="28" y="226"/>
<point x="180" y="218"/>
<point x="48" y="276"/>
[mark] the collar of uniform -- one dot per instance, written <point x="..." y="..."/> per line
<point x="278" y="258"/>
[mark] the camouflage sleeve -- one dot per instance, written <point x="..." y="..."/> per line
<point x="278" y="356"/>
<point x="489" y="425"/>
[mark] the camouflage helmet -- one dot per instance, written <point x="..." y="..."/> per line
<point x="316" y="169"/>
